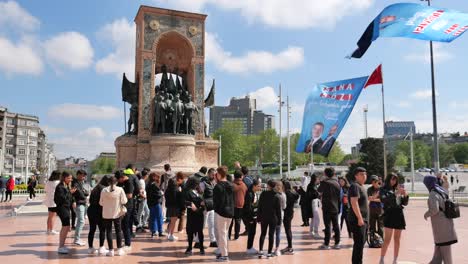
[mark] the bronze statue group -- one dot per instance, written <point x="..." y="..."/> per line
<point x="132" y="201"/>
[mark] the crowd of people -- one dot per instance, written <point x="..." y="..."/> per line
<point x="133" y="201"/>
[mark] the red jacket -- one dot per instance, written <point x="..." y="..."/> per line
<point x="10" y="185"/>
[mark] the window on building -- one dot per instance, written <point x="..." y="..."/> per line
<point x="21" y="142"/>
<point x="22" y="122"/>
<point x="20" y="162"/>
<point x="32" y="152"/>
<point x="32" y="123"/>
<point x="21" y="132"/>
<point x="10" y="121"/>
<point x="33" y="133"/>
<point x="9" y="131"/>
<point x="21" y="151"/>
<point x="9" y="151"/>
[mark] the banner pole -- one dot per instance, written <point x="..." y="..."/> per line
<point x="280" y="134"/>
<point x="384" y="134"/>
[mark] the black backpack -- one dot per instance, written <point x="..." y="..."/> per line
<point x="374" y="240"/>
<point x="452" y="209"/>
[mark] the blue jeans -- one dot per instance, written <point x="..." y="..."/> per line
<point x="80" y="211"/>
<point x="156" y="219"/>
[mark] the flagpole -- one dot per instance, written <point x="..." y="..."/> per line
<point x="383" y="123"/>
<point x="280" y="135"/>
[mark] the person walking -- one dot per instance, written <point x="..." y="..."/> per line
<point x="79" y="205"/>
<point x="331" y="203"/>
<point x="2" y="188"/>
<point x="314" y="197"/>
<point x="359" y="213"/>
<point x="305" y="202"/>
<point x="223" y="198"/>
<point x="394" y="199"/>
<point x="113" y="199"/>
<point x="195" y="216"/>
<point x="32" y="184"/>
<point x="375" y="207"/>
<point x="174" y="203"/>
<point x="50" y="187"/>
<point x="240" y="190"/>
<point x="250" y="213"/>
<point x="63" y="198"/>
<point x="291" y="199"/>
<point x="344" y="205"/>
<point x="95" y="218"/>
<point x="143" y="209"/>
<point x="206" y="186"/>
<point x="10" y="186"/>
<point x="279" y="189"/>
<point x="269" y="215"/>
<point x="155" y="196"/>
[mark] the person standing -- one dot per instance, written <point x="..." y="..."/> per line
<point x="2" y="188"/>
<point x="174" y="203"/>
<point x="80" y="197"/>
<point x="443" y="228"/>
<point x="63" y="198"/>
<point x="345" y="204"/>
<point x="250" y="213"/>
<point x="279" y="189"/>
<point x="269" y="215"/>
<point x="375" y="207"/>
<point x="95" y="218"/>
<point x="32" y="183"/>
<point x="143" y="209"/>
<point x="239" y="195"/>
<point x="394" y="199"/>
<point x="164" y="181"/>
<point x="113" y="200"/>
<point x="50" y="186"/>
<point x="10" y="186"/>
<point x="223" y="198"/>
<point x="201" y="173"/>
<point x="207" y="185"/>
<point x="331" y="202"/>
<point x="358" y="215"/>
<point x="451" y="179"/>
<point x="457" y="180"/>
<point x="304" y="202"/>
<point x="128" y="187"/>
<point x="195" y="207"/>
<point x="155" y="196"/>
<point x="291" y="199"/>
<point x="314" y="196"/>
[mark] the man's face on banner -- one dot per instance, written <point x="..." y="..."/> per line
<point x="333" y="130"/>
<point x="317" y="130"/>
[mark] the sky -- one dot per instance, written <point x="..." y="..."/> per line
<point x="63" y="61"/>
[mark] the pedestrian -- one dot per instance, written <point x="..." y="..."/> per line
<point x="291" y="199"/>
<point x="250" y="213"/>
<point x="443" y="228"/>
<point x="113" y="200"/>
<point x="10" y="186"/>
<point x="63" y="198"/>
<point x="279" y="189"/>
<point x="451" y="179"/>
<point x="375" y="207"/>
<point x="445" y="183"/>
<point x="2" y="188"/>
<point x="80" y="200"/>
<point x="304" y="202"/>
<point x="269" y="215"/>
<point x="240" y="190"/>
<point x="195" y="214"/>
<point x="50" y="186"/>
<point x="155" y="196"/>
<point x="95" y="218"/>
<point x="359" y="213"/>
<point x="331" y="202"/>
<point x="314" y="197"/>
<point x="32" y="183"/>
<point x="223" y="198"/>
<point x="174" y="203"/>
<point x="201" y="173"/>
<point x="344" y="204"/>
<point x="206" y="186"/>
<point x="394" y="198"/>
<point x="457" y="179"/>
<point x="164" y="181"/>
<point x="248" y="180"/>
<point x="132" y="173"/>
<point x="124" y="182"/>
<point x="143" y="209"/>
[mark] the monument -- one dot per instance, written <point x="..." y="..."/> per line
<point x="166" y="122"/>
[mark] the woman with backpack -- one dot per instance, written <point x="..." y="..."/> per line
<point x="154" y="196"/>
<point x="344" y="204"/>
<point x="443" y="228"/>
<point x="394" y="198"/>
<point x="291" y="199"/>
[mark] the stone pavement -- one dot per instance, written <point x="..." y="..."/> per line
<point x="22" y="240"/>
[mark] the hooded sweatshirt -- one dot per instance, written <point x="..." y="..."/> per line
<point x="223" y="197"/>
<point x="112" y="201"/>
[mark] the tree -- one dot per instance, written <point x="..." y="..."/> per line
<point x="103" y="165"/>
<point x="422" y="153"/>
<point x="336" y="154"/>
<point x="460" y="153"/>
<point x="232" y="143"/>
<point x="446" y="156"/>
<point x="401" y="160"/>
<point x="371" y="157"/>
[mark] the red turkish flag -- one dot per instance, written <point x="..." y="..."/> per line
<point x="375" y="77"/>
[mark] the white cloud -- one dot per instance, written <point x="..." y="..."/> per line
<point x="93" y="132"/>
<point x="441" y="54"/>
<point x="253" y="61"/>
<point x="82" y="111"/>
<point x="120" y="34"/>
<point x="404" y="104"/>
<point x="14" y="16"/>
<point x="266" y="97"/>
<point x="70" y="49"/>
<point x="19" y="58"/>
<point x="423" y="94"/>
<point x="280" y="13"/>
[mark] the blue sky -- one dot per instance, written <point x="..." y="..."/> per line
<point x="62" y="61"/>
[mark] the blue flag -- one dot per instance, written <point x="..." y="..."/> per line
<point x="326" y="111"/>
<point x="410" y="20"/>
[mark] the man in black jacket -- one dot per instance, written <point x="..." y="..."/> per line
<point x="331" y="204"/>
<point x="223" y="198"/>
<point x="80" y="196"/>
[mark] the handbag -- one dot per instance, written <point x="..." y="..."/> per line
<point x="123" y="210"/>
<point x="452" y="210"/>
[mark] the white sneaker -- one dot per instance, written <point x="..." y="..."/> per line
<point x="127" y="249"/>
<point x="121" y="251"/>
<point x="103" y="251"/>
<point x="172" y="238"/>
<point x="251" y="251"/>
<point x="316" y="236"/>
<point x="110" y="253"/>
<point x="277" y="252"/>
<point x="92" y="251"/>
<point x="63" y="250"/>
<point x="79" y="243"/>
<point x="53" y="232"/>
<point x="217" y="251"/>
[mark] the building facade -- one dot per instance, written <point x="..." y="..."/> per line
<point x="24" y="150"/>
<point x="72" y="164"/>
<point x="399" y="128"/>
<point x="243" y="113"/>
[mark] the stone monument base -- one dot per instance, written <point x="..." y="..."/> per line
<point x="183" y="152"/>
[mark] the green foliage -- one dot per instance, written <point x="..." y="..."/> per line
<point x="422" y="153"/>
<point x="401" y="160"/>
<point x="460" y="153"/>
<point x="103" y="166"/>
<point x="25" y="187"/>
<point x="371" y="158"/>
<point x="446" y="156"/>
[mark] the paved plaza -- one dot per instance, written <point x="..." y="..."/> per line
<point x="23" y="240"/>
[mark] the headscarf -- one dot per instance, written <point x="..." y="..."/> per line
<point x="431" y="183"/>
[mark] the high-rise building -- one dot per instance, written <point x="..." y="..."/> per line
<point x="399" y="128"/>
<point x="23" y="146"/>
<point x="242" y="112"/>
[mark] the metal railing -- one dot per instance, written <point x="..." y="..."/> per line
<point x="26" y="192"/>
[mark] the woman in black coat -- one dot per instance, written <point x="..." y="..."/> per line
<point x="291" y="199"/>
<point x="95" y="217"/>
<point x="250" y="213"/>
<point x="269" y="216"/>
<point x="195" y="216"/>
<point x="63" y="199"/>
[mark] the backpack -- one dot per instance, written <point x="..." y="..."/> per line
<point x="374" y="240"/>
<point x="452" y="210"/>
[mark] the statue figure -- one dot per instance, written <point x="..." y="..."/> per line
<point x="130" y="95"/>
<point x="133" y="120"/>
<point x="164" y="78"/>
<point x="178" y="114"/>
<point x="160" y="108"/>
<point x="189" y="108"/>
<point x="169" y="112"/>
<point x="171" y="86"/>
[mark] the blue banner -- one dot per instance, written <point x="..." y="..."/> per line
<point x="326" y="111"/>
<point x="411" y="20"/>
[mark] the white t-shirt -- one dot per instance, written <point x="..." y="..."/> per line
<point x="50" y="192"/>
<point x="143" y="186"/>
